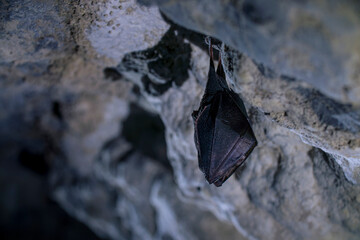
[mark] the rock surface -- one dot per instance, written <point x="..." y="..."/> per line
<point x="314" y="41"/>
<point x="100" y="95"/>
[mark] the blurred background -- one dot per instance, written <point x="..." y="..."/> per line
<point x="96" y="134"/>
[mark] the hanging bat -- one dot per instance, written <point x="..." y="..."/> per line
<point x="223" y="135"/>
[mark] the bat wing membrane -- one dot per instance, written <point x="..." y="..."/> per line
<point x="226" y="138"/>
<point x="223" y="135"/>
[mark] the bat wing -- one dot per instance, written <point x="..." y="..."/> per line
<point x="223" y="137"/>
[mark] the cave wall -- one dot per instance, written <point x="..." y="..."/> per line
<point x="98" y="96"/>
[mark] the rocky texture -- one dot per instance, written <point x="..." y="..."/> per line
<point x="295" y="38"/>
<point x="291" y="41"/>
<point x="318" y="120"/>
<point x="25" y="206"/>
<point x="107" y="117"/>
<point x="278" y="188"/>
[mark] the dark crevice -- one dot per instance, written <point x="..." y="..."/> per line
<point x="278" y="171"/>
<point x="154" y="89"/>
<point x="112" y="74"/>
<point x="288" y="78"/>
<point x="167" y="62"/>
<point x="56" y="110"/>
<point x="35" y="162"/>
<point x="145" y="131"/>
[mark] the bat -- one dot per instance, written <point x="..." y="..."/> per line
<point x="223" y="135"/>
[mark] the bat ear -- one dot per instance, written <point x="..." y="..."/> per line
<point x="211" y="53"/>
<point x="212" y="85"/>
<point x="215" y="82"/>
<point x="220" y="70"/>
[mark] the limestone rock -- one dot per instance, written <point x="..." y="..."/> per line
<point x="316" y="41"/>
<point x="102" y="92"/>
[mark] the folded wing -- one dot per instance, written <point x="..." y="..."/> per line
<point x="226" y="138"/>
